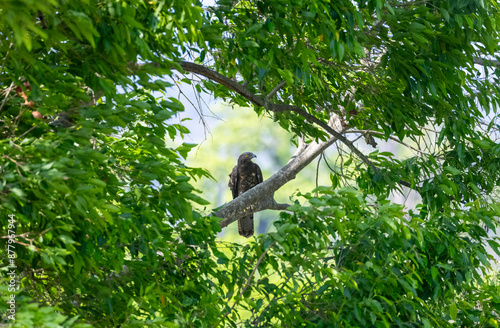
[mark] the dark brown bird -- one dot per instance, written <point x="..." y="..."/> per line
<point x="245" y="176"/>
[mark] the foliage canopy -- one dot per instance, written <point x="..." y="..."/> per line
<point x="105" y="222"/>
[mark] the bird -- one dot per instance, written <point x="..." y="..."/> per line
<point x="244" y="176"/>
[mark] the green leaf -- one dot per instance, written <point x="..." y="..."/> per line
<point x="494" y="246"/>
<point x="417" y="27"/>
<point x="287" y="75"/>
<point x="434" y="273"/>
<point x="254" y="28"/>
<point x="164" y="115"/>
<point x="184" y="149"/>
<point x="18" y="192"/>
<point x="250" y="44"/>
<point x="406" y="232"/>
<point x="451" y="170"/>
<point x="97" y="182"/>
<point x="453" y="311"/>
<point x="446" y="189"/>
<point x="111" y="208"/>
<point x="81" y="24"/>
<point x="340" y="50"/>
<point x="474" y="188"/>
<point x="65" y="239"/>
<point x="484" y="144"/>
<point x="390" y="9"/>
<point x="482" y="257"/>
<point x="419" y="38"/>
<point x="445" y="266"/>
<point x="197" y="199"/>
<point x="445" y="14"/>
<point x="174" y="105"/>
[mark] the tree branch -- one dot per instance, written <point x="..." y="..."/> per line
<point x="222" y="80"/>
<point x="7" y="92"/>
<point x="409" y="4"/>
<point x="390" y="137"/>
<point x="276" y="108"/>
<point x="276" y="89"/>
<point x="484" y="62"/>
<point x="262" y="193"/>
<point x="260" y="197"/>
<point x="250" y="277"/>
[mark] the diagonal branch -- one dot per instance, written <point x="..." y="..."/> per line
<point x="276" y="89"/>
<point x="222" y="80"/>
<point x="276" y="108"/>
<point x="250" y="277"/>
<point x="484" y="62"/>
<point x="264" y="191"/>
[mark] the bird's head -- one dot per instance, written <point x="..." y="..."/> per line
<point x="246" y="157"/>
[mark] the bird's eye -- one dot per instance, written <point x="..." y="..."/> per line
<point x="246" y="155"/>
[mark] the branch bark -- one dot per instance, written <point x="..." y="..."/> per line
<point x="222" y="80"/>
<point x="275" y="90"/>
<point x="260" y="197"/>
<point x="484" y="62"/>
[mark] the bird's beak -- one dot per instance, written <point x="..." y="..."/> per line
<point x="254" y="156"/>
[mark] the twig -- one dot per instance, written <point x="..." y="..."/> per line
<point x="6" y="95"/>
<point x="408" y="4"/>
<point x="198" y="111"/>
<point x="12" y="160"/>
<point x="283" y="284"/>
<point x="335" y="171"/>
<point x="317" y="170"/>
<point x="27" y="234"/>
<point x="27" y="245"/>
<point x="26" y="132"/>
<point x="390" y="137"/>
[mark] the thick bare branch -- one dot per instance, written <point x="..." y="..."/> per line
<point x="484" y="62"/>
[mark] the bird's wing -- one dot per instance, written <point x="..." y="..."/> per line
<point x="234" y="181"/>
<point x="258" y="173"/>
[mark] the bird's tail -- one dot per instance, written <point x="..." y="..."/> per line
<point x="245" y="226"/>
